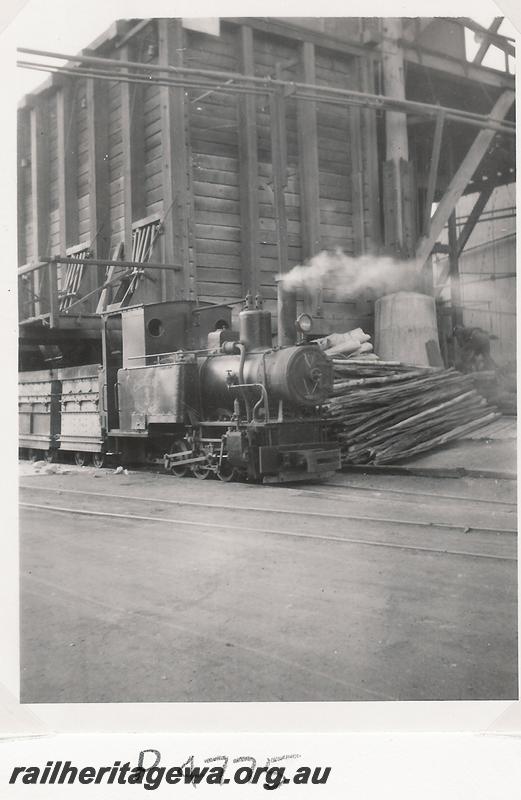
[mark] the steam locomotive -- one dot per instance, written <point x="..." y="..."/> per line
<point x="178" y="385"/>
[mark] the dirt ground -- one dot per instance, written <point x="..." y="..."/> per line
<point x="143" y="587"/>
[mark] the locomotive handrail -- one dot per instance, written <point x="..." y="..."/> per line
<point x="171" y="353"/>
<point x="200" y="309"/>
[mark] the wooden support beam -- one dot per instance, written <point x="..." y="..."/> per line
<point x="357" y="164"/>
<point x="175" y="168"/>
<point x="396" y="140"/>
<point x="372" y="160"/>
<point x="455" y="284"/>
<point x="99" y="199"/>
<point x="126" y="135"/>
<point x="391" y="202"/>
<point x="463" y="175"/>
<point x="67" y="166"/>
<point x="182" y="169"/>
<point x="485" y="44"/>
<point x="472" y="218"/>
<point x="433" y="172"/>
<point x="133" y="152"/>
<point x="357" y="180"/>
<point x="248" y="169"/>
<point x="279" y="173"/>
<point x="40" y="198"/>
<point x="309" y="173"/>
<point x="190" y="205"/>
<point x="409" y="208"/>
<point x="396" y="134"/>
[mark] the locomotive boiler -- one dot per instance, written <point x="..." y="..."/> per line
<point x="178" y="385"/>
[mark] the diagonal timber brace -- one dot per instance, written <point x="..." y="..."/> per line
<point x="472" y="218"/>
<point x="460" y="180"/>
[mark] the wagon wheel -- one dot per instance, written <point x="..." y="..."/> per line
<point x="81" y="458"/>
<point x="50" y="456"/>
<point x="178" y="470"/>
<point x="32" y="454"/>
<point x="98" y="460"/>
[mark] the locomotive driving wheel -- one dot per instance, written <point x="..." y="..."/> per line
<point x="226" y="472"/>
<point x="176" y="467"/>
<point x="201" y="471"/>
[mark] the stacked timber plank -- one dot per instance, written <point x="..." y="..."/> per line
<point x="384" y="412"/>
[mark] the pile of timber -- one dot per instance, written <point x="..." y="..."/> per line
<point x="385" y="411"/>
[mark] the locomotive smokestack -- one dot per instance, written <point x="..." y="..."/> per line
<point x="286" y="314"/>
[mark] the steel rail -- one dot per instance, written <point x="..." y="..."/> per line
<point x="381" y="101"/>
<point x="354" y="487"/>
<point x="264" y="531"/>
<point x="290" y="512"/>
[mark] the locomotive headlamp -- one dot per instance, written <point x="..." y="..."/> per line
<point x="304" y="323"/>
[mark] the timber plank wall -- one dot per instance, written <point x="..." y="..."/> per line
<point x="230" y="221"/>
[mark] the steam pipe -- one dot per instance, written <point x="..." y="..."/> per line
<point x="262" y="399"/>
<point x="242" y="350"/>
<point x="286" y="314"/>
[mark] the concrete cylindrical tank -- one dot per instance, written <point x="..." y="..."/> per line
<point x="406" y="329"/>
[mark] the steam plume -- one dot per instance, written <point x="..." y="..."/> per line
<point x="349" y="277"/>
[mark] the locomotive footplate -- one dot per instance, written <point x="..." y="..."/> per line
<point x="289" y="463"/>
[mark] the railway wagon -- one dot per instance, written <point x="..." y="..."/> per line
<point x="178" y="386"/>
<point x="39" y="411"/>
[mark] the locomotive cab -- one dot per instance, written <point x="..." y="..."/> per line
<point x="135" y="339"/>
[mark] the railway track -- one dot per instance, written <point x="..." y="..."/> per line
<point x="328" y="489"/>
<point x="290" y="512"/>
<point x="376" y="491"/>
<point x="343" y="529"/>
<point x="231" y="582"/>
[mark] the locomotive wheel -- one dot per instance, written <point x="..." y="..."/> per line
<point x="201" y="471"/>
<point x="179" y="471"/>
<point x="226" y="473"/>
<point x="80" y="458"/>
<point x="98" y="460"/>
